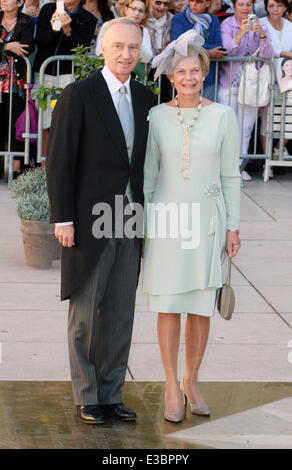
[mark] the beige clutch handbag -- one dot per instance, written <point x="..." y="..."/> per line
<point x="226" y="297"/>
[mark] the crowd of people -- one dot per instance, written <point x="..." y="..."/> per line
<point x="35" y="28"/>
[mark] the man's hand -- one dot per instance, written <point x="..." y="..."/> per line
<point x="217" y="53"/>
<point x="65" y="22"/>
<point x="65" y="235"/>
<point x="55" y="16"/>
<point x="232" y="243"/>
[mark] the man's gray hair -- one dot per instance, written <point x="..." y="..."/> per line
<point x="122" y="20"/>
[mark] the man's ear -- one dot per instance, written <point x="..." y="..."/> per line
<point x="19" y="3"/>
<point x="102" y="47"/>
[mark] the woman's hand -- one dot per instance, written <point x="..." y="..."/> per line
<point x="217" y="53"/>
<point x="258" y="29"/>
<point x="16" y="47"/>
<point x="232" y="243"/>
<point x="244" y="28"/>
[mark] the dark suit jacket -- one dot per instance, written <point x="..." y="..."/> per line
<point x="87" y="162"/>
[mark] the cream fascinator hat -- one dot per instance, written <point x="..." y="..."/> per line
<point x="188" y="44"/>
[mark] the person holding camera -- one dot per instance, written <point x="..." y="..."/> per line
<point x="242" y="34"/>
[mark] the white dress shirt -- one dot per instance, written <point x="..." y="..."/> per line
<point x="114" y="85"/>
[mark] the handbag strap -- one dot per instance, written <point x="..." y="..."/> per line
<point x="229" y="270"/>
<point x="256" y="53"/>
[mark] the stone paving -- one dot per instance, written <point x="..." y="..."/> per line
<point x="245" y="376"/>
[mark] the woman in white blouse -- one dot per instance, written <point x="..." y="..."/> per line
<point x="138" y="11"/>
<point x="280" y="31"/>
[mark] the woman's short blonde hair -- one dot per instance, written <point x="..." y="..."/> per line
<point x="204" y="61"/>
<point x="203" y="57"/>
<point x="147" y="9"/>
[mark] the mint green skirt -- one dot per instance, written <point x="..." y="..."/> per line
<point x="197" y="302"/>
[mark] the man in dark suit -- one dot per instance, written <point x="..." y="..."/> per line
<point x="96" y="152"/>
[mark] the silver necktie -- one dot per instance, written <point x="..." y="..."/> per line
<point x="124" y="111"/>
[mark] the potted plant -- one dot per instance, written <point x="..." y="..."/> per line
<point x="43" y="93"/>
<point x="39" y="242"/>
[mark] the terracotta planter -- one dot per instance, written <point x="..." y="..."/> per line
<point x="39" y="243"/>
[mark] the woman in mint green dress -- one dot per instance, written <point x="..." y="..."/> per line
<point x="192" y="192"/>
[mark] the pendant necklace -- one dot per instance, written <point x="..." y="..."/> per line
<point x="9" y="23"/>
<point x="185" y="160"/>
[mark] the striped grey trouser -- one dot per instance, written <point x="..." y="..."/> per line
<point x="100" y="323"/>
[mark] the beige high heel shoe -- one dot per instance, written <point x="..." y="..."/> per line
<point x="201" y="410"/>
<point x="173" y="416"/>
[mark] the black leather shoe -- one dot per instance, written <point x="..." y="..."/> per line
<point x="120" y="411"/>
<point x="90" y="414"/>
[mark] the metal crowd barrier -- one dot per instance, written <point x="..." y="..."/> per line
<point x="42" y="72"/>
<point x="280" y="125"/>
<point x="9" y="154"/>
<point x="259" y="61"/>
<point x="271" y="130"/>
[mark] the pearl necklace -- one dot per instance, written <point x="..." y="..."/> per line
<point x="185" y="160"/>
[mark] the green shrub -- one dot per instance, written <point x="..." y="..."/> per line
<point x="32" y="202"/>
<point x="31" y="181"/>
<point x="33" y="207"/>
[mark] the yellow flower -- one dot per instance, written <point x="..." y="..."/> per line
<point x="53" y="104"/>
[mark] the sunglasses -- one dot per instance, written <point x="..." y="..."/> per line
<point x="159" y="2"/>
